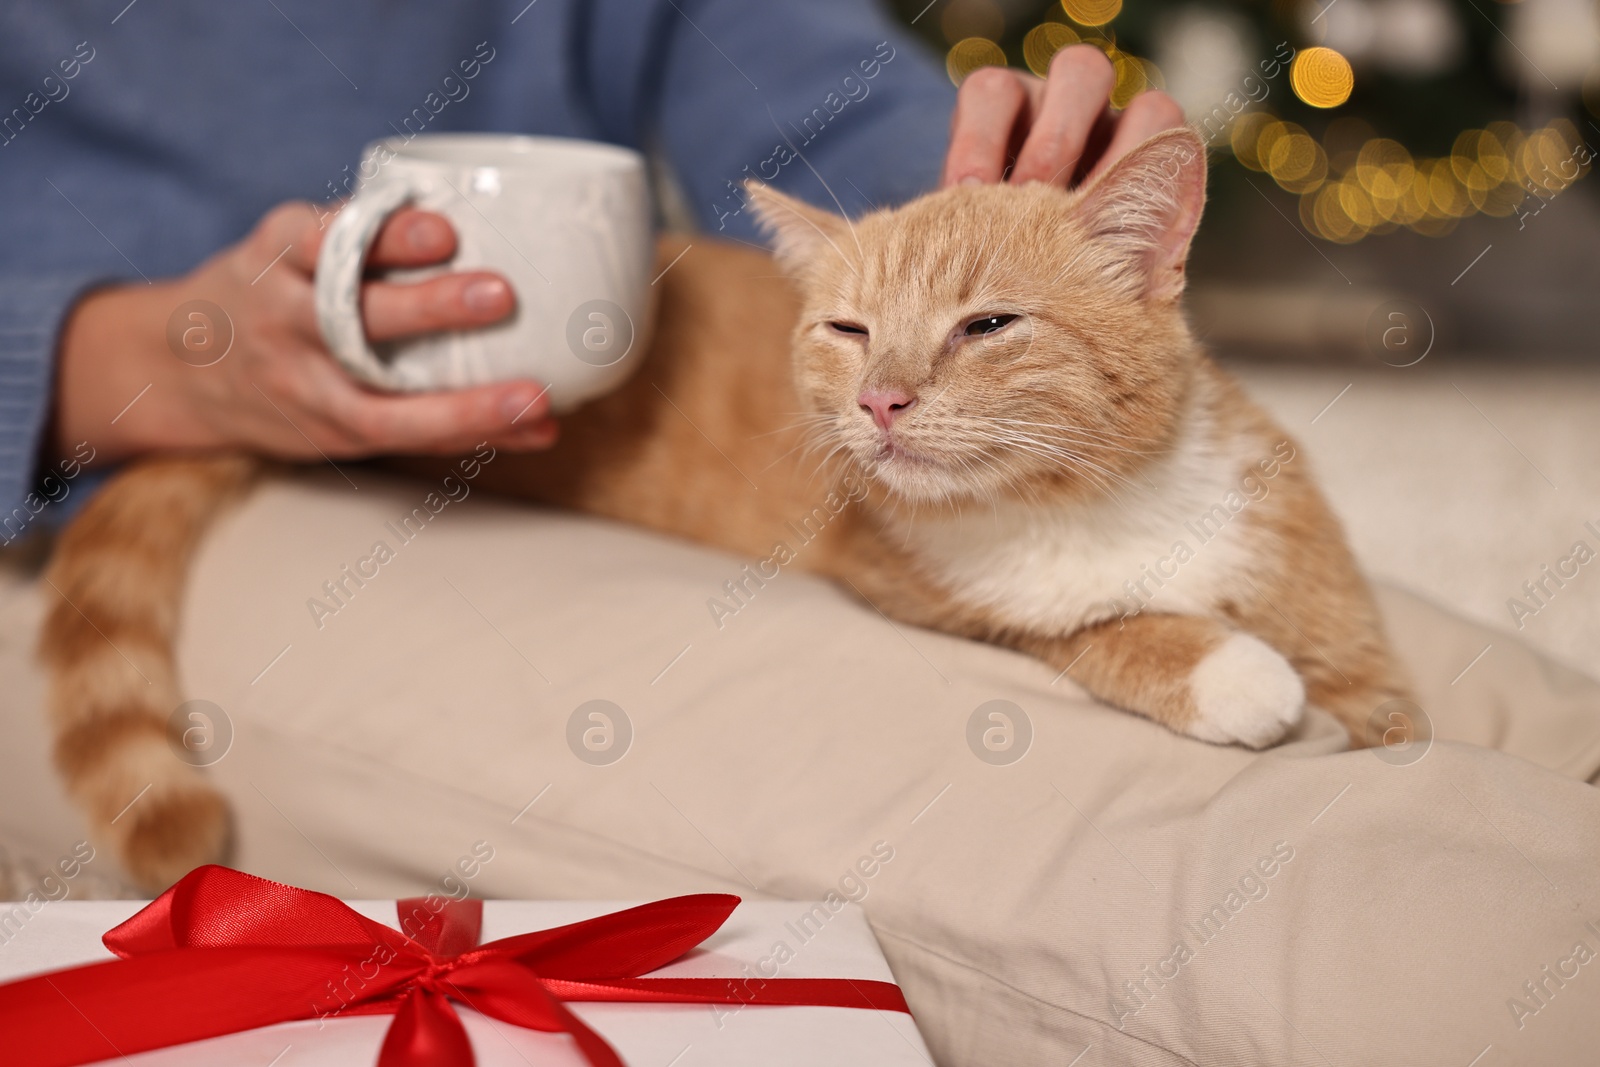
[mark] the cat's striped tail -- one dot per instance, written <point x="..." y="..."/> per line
<point x="117" y="581"/>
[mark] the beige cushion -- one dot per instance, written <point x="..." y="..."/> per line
<point x="772" y="756"/>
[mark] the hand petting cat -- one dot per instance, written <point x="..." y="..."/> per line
<point x="1009" y="125"/>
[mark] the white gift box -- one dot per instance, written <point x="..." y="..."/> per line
<point x="770" y="939"/>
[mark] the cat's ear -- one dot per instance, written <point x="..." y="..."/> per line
<point x="1147" y="206"/>
<point x="799" y="231"/>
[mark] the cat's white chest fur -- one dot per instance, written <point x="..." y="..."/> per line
<point x="1176" y="540"/>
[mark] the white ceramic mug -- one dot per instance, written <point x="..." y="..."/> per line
<point x="568" y="222"/>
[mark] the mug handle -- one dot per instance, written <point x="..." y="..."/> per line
<point x="338" y="280"/>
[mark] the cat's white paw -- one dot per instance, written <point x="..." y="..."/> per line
<point x="1245" y="693"/>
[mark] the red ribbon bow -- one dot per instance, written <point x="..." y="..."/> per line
<point x="222" y="951"/>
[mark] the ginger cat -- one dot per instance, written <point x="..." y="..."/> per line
<point x="1001" y="383"/>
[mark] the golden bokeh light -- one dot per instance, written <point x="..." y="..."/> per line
<point x="1308" y="214"/>
<point x="1499" y="171"/>
<point x="1494" y="161"/>
<point x="1434" y="226"/>
<point x="1091" y="12"/>
<point x="1383" y="190"/>
<point x="967" y="55"/>
<point x="1270" y="134"/>
<point x="1246" y="135"/>
<point x="1356" y="205"/>
<point x="1530" y="167"/>
<point x="1042" y="43"/>
<point x="1508" y="137"/>
<point x="1350" y="182"/>
<point x="1501" y="201"/>
<point x="1485" y="161"/>
<point x="1412" y="205"/>
<point x="1551" y="159"/>
<point x="1131" y="79"/>
<point x="1473" y="177"/>
<point x="1321" y="77"/>
<point x="1103" y="39"/>
<point x="1329" y="217"/>
<point x="1387" y="174"/>
<point x="1377" y="187"/>
<point x="1423" y="190"/>
<point x="1295" y="161"/>
<point x="1446" y="191"/>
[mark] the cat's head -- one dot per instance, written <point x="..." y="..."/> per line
<point x="1000" y="340"/>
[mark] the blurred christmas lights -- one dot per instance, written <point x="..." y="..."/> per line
<point x="1321" y="77"/>
<point x="1352" y="183"/>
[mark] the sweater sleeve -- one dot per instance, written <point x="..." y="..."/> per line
<point x="32" y="310"/>
<point x="828" y="99"/>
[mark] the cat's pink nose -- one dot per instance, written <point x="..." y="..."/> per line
<point x="885" y="405"/>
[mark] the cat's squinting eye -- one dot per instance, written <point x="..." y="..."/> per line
<point x="988" y="324"/>
<point x="848" y="327"/>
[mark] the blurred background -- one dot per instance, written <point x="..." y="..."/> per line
<point x="1385" y="173"/>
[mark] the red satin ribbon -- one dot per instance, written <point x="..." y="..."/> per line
<point x="222" y="951"/>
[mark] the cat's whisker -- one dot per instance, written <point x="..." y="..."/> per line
<point x="1102" y="477"/>
<point x="827" y="432"/>
<point x="838" y="447"/>
<point x="1074" y="437"/>
<point x="1088" y="442"/>
<point x="1066" y="428"/>
<point x="1058" y="425"/>
<point x="1082" y="461"/>
<point x="1055" y="434"/>
<point x="804" y="444"/>
<point x="812" y="427"/>
<point x="803" y="420"/>
<point x="1067" y="447"/>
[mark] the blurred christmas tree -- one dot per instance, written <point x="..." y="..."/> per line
<point x="1387" y="114"/>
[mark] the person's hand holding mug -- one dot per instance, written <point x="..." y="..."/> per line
<point x="278" y="391"/>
